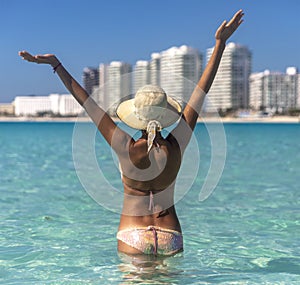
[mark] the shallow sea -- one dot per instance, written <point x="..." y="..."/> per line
<point x="246" y="232"/>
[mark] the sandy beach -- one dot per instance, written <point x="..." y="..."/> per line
<point x="44" y="119"/>
<point x="274" y="119"/>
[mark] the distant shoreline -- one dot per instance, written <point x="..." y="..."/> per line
<point x="274" y="119"/>
<point x="44" y="119"/>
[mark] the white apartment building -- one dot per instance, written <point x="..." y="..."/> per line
<point x="230" y="89"/>
<point x="155" y="69"/>
<point x="275" y="91"/>
<point x="100" y="93"/>
<point x="115" y="84"/>
<point x="180" y="70"/>
<point x="31" y="105"/>
<point x="63" y="105"/>
<point x="256" y="90"/>
<point x="68" y="106"/>
<point x="141" y="74"/>
<point x="177" y="70"/>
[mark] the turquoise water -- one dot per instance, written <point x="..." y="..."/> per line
<point x="246" y="232"/>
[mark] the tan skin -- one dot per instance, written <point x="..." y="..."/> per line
<point x="170" y="148"/>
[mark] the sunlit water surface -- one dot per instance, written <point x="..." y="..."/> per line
<point x="246" y="232"/>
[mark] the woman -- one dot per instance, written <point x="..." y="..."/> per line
<point x="149" y="165"/>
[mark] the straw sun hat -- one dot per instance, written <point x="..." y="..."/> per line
<point x="150" y="104"/>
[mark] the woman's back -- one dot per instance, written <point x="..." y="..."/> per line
<point x="148" y="180"/>
<point x="153" y="171"/>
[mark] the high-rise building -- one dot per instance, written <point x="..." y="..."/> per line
<point x="141" y="74"/>
<point x="230" y="89"/>
<point x="177" y="70"/>
<point x="180" y="70"/>
<point x="90" y="79"/>
<point x="155" y="69"/>
<point x="256" y="90"/>
<point x="115" y="84"/>
<point x="274" y="91"/>
<point x="101" y="95"/>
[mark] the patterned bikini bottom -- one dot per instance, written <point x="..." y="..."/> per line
<point x="152" y="240"/>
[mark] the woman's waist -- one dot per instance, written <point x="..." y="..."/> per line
<point x="166" y="219"/>
<point x="147" y="205"/>
<point x="144" y="187"/>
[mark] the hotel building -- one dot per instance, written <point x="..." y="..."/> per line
<point x="155" y="69"/>
<point x="90" y="79"/>
<point x="115" y="84"/>
<point x="64" y="105"/>
<point x="180" y="70"/>
<point x="141" y="74"/>
<point x="176" y="70"/>
<point x="230" y="89"/>
<point x="275" y="91"/>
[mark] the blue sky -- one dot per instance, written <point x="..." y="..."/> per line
<point x="87" y="32"/>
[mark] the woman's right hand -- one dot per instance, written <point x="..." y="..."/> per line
<point x="46" y="58"/>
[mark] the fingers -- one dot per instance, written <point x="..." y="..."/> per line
<point x="23" y="53"/>
<point x="237" y="18"/>
<point x="239" y="12"/>
<point x="228" y="28"/>
<point x="222" y="27"/>
<point x="241" y="21"/>
<point x="27" y="56"/>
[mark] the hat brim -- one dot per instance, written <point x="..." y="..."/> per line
<point x="168" y="116"/>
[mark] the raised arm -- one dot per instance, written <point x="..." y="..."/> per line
<point x="194" y="105"/>
<point x="113" y="135"/>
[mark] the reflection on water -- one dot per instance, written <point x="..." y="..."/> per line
<point x="150" y="269"/>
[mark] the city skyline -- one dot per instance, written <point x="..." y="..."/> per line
<point x="175" y="70"/>
<point x="90" y="70"/>
<point x="85" y="34"/>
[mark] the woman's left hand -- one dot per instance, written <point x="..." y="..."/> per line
<point x="227" y="29"/>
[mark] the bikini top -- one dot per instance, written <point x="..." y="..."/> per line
<point x="151" y="199"/>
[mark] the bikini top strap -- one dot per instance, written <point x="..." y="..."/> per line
<point x="151" y="202"/>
